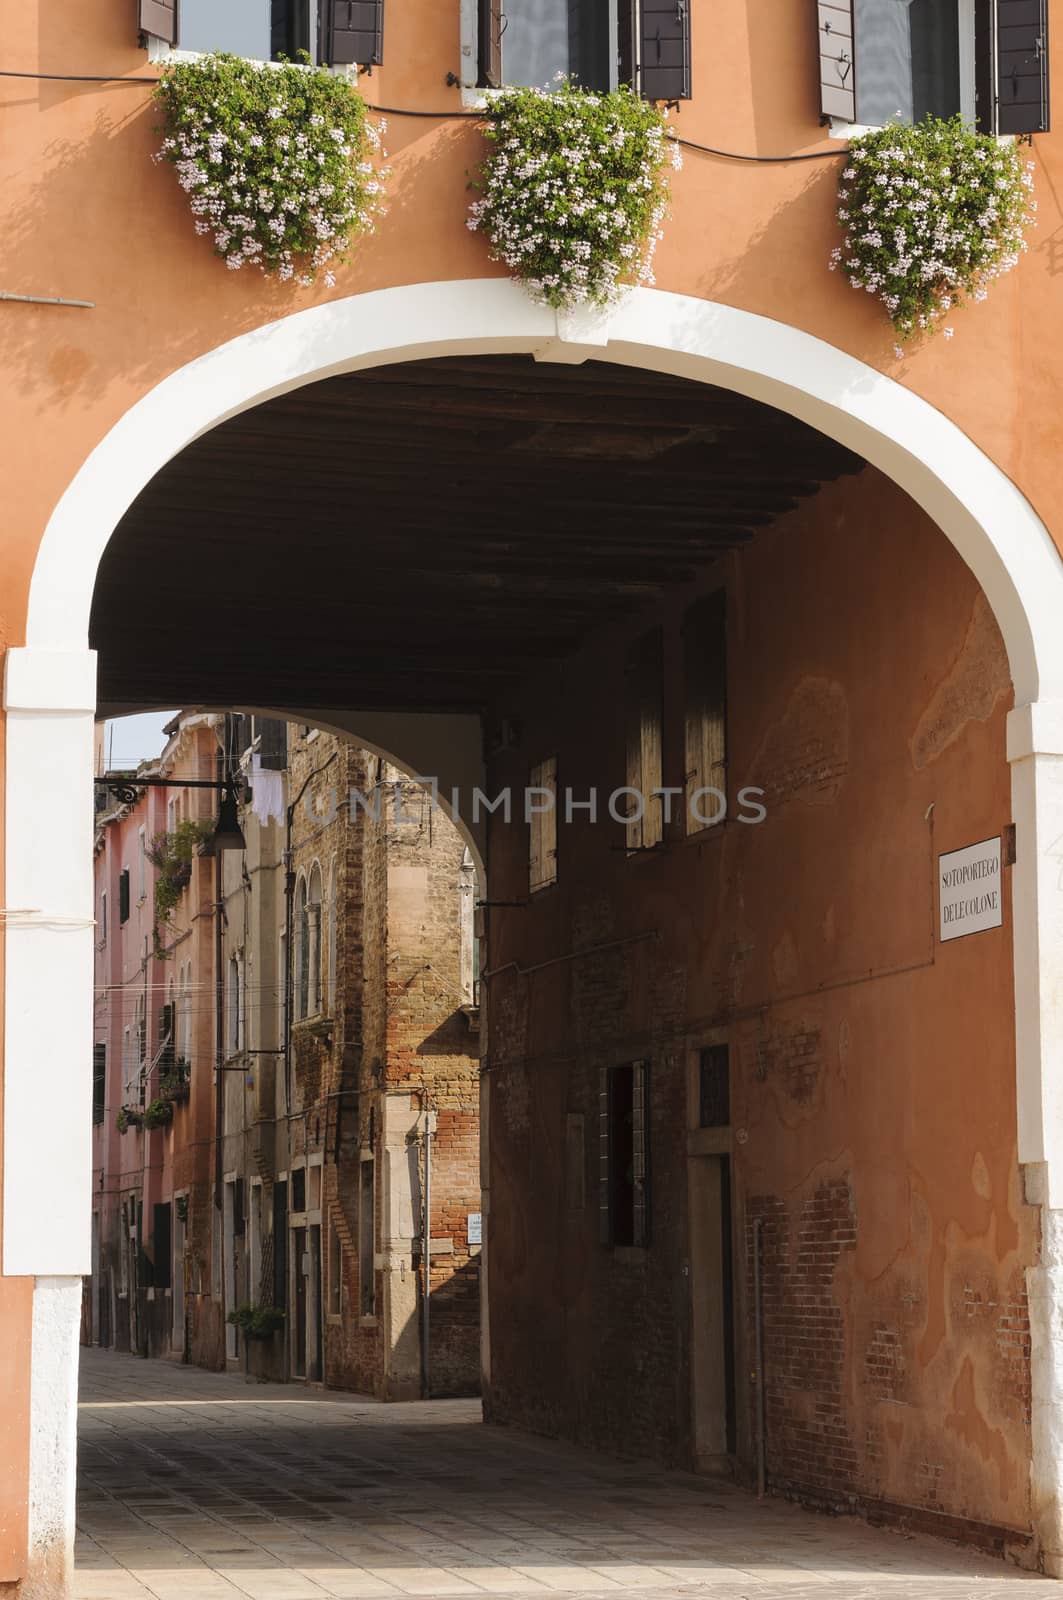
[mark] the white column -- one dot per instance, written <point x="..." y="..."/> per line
<point x="50" y="699"/>
<point x="1035" y="751"/>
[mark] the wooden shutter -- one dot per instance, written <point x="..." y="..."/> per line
<point x="640" y="1140"/>
<point x="1021" y="49"/>
<point x="167" y="1029"/>
<point x="645" y="703"/>
<point x="354" y="32"/>
<point x="162" y="1247"/>
<point x="491" y="25"/>
<point x="99" y="1083"/>
<point x="664" y="50"/>
<point x="280" y="1243"/>
<point x="123" y="896"/>
<point x="837" y="78"/>
<point x="273" y="744"/>
<point x="238" y="1208"/>
<point x="605" y="1207"/>
<point x="158" y="17"/>
<point x="705" y="694"/>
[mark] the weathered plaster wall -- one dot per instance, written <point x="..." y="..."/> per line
<point x="872" y="1099"/>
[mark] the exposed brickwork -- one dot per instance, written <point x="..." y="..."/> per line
<point x="809" y="1444"/>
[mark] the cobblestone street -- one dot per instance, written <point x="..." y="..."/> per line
<point x="197" y="1485"/>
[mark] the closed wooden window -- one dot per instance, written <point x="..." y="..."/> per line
<point x="644" y="698"/>
<point x="542" y="825"/>
<point x="705" y="710"/>
<point x="99" y="1083"/>
<point x="624" y="1154"/>
<point x="123" y="896"/>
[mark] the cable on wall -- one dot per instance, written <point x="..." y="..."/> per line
<point x="452" y="116"/>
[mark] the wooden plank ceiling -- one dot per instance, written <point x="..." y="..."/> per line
<point x="420" y="536"/>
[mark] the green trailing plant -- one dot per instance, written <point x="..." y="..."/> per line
<point x="171" y="855"/>
<point x="159" y="1113"/>
<point x="932" y="214"/>
<point x="127" y="1118"/>
<point x="257" y="1322"/>
<point x="174" y="1083"/>
<point x="278" y="161"/>
<point x="573" y="191"/>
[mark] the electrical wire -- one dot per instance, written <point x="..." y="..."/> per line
<point x="457" y="116"/>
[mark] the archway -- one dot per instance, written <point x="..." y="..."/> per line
<point x="50" y="693"/>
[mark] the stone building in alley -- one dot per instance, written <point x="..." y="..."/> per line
<point x="268" y="1079"/>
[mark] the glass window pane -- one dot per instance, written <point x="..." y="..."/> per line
<point x="907" y="60"/>
<point x="239" y="26"/>
<point x="545" y="37"/>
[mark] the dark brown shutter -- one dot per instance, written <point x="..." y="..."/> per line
<point x="605" y="1174"/>
<point x="158" y="17"/>
<point x="273" y="744"/>
<point x="354" y="34"/>
<point x="640" y="1145"/>
<point x="491" y="28"/>
<point x="664" y="61"/>
<point x="99" y="1082"/>
<point x="1022" y="66"/>
<point x="162" y="1247"/>
<point x="837" y="78"/>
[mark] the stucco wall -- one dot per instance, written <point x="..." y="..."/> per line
<point x="872" y="1068"/>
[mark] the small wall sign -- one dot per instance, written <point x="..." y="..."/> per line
<point x="476" y="1227"/>
<point x="969" y="895"/>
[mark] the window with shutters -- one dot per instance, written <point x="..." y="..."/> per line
<point x="624" y="1154"/>
<point x="542" y="825"/>
<point x="644" y="708"/>
<point x="123" y="896"/>
<point x="705" y="711"/>
<point x="99" y="1083"/>
<point x="599" y="44"/>
<point x="332" y="32"/>
<point x="986" y="60"/>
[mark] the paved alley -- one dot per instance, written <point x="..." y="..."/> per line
<point x="197" y="1485"/>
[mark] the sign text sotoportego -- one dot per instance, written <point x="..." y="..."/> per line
<point x="969" y="894"/>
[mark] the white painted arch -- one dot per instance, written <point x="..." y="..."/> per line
<point x="991" y="524"/>
<point x="50" y="694"/>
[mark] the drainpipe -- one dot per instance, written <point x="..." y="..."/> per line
<point x="219" y="1032"/>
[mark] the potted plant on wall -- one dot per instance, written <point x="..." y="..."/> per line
<point x="277" y="161"/>
<point x="159" y="1113"/>
<point x="573" y="190"/>
<point x="258" y="1324"/>
<point x="932" y="215"/>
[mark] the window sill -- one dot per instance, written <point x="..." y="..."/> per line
<point x="161" y="54"/>
<point x="368" y="1322"/>
<point x="855" y="130"/>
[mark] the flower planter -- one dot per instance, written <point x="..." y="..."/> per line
<point x="573" y="191"/>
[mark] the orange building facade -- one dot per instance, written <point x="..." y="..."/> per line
<point x="880" y="1183"/>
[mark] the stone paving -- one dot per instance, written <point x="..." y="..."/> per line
<point x="199" y="1486"/>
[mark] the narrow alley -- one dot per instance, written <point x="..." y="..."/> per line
<point x="197" y="1485"/>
